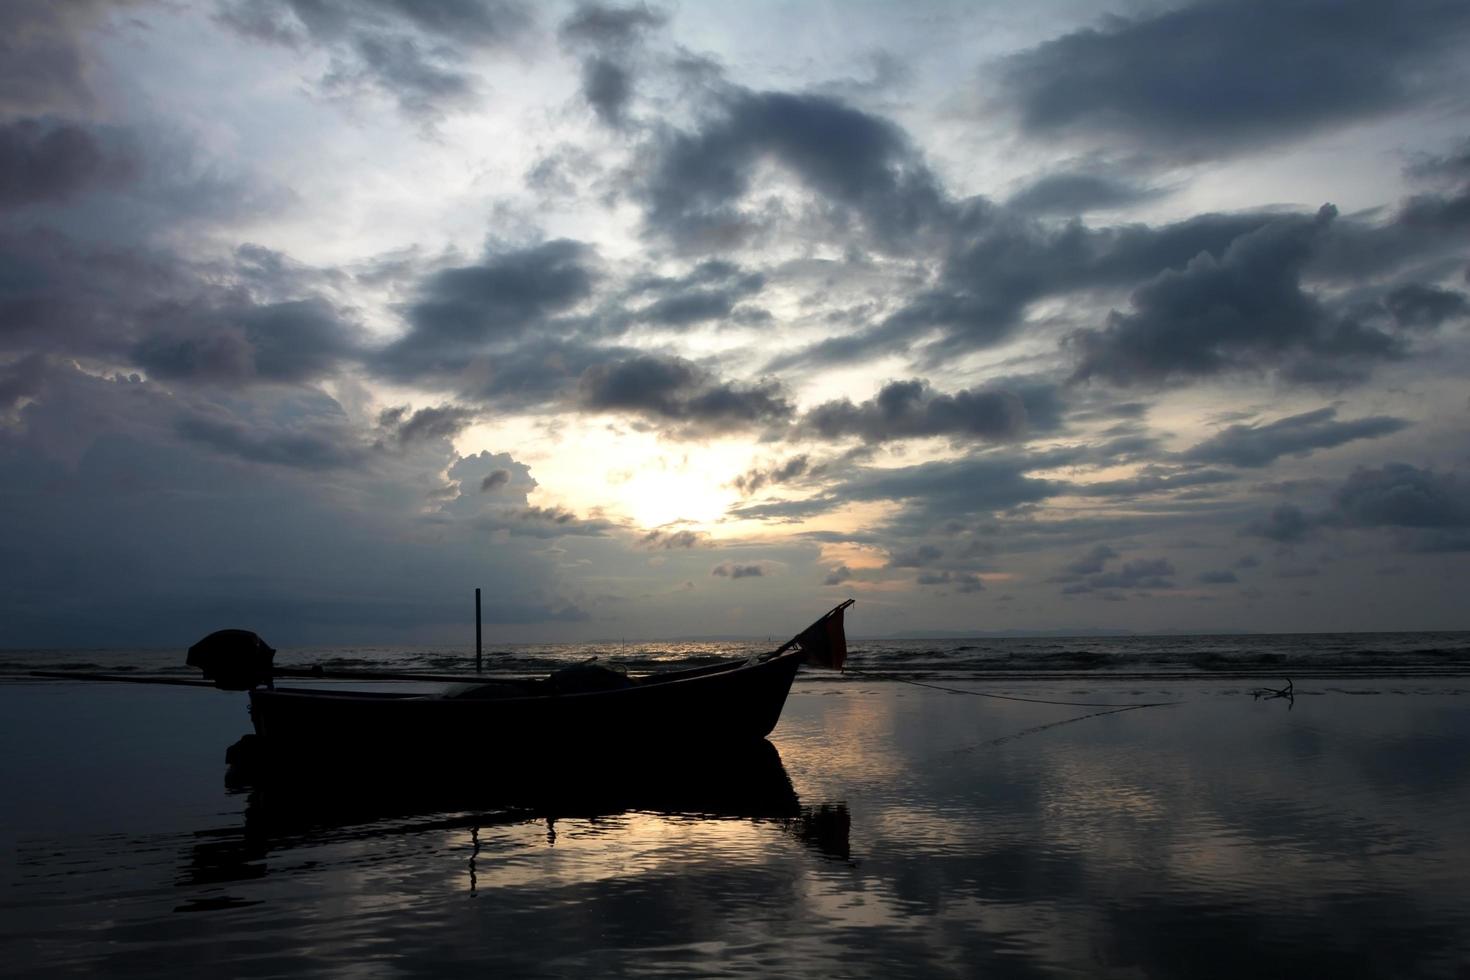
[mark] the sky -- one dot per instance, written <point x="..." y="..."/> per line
<point x="696" y="319"/>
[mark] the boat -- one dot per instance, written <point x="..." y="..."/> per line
<point x="586" y="710"/>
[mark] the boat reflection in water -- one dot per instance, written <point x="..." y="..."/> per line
<point x="295" y="809"/>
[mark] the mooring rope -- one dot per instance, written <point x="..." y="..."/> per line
<point x="1003" y="697"/>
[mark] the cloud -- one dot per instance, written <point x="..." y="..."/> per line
<point x="611" y="36"/>
<point x="437" y="422"/>
<point x="1222" y="577"/>
<point x="1000" y="411"/>
<point x="1143" y="573"/>
<point x="1427" y="510"/>
<point x="604" y="25"/>
<point x="1000" y="262"/>
<point x="855" y="161"/>
<point x="1217" y="77"/>
<point x="1245" y="310"/>
<point x="241" y="342"/>
<point x="757" y="477"/>
<point x="1089" y="564"/>
<point x="964" y="582"/>
<point x="1297" y="435"/>
<point x="1417" y="305"/>
<point x="265" y="507"/>
<point x="710" y="292"/>
<point x="1285" y="524"/>
<point x="299" y="447"/>
<point x="670" y="540"/>
<point x="554" y="522"/>
<point x="1400" y="495"/>
<point x="462" y="312"/>
<point x="418" y="54"/>
<point x="918" y="557"/>
<point x="43" y="58"/>
<point x="1071" y="192"/>
<point x="937" y="490"/>
<point x="672" y="390"/>
<point x="236" y="322"/>
<point x="1151" y="480"/>
<point x="734" y="570"/>
<point x="837" y="575"/>
<point x="49" y="160"/>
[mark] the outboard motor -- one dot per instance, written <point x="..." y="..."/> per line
<point x="236" y="660"/>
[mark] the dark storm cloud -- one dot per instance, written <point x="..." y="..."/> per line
<point x="711" y="292"/>
<point x="838" y="575"/>
<point x="437" y="422"/>
<point x="319" y="449"/>
<point x="1400" y="495"/>
<point x="1243" y="310"/>
<point x="494" y="480"/>
<point x="1295" y="435"/>
<point x="1000" y="262"/>
<point x="1285" y="524"/>
<point x="24" y="378"/>
<point x="555" y="522"/>
<point x="1220" y="76"/>
<point x="1427" y="307"/>
<point x="855" y="161"/>
<point x="231" y="322"/>
<point x="917" y="557"/>
<point x="1212" y="292"/>
<point x="419" y="54"/>
<point x="610" y="37"/>
<point x="1151" y="480"/>
<point x="1453" y="166"/>
<point x="610" y="26"/>
<point x="670" y="540"/>
<point x="1000" y="411"/>
<point x="1077" y="192"/>
<point x="757" y="477"/>
<point x="1427" y="510"/>
<point x="607" y="86"/>
<point x="734" y="570"/>
<point x="60" y="295"/>
<point x="47" y="160"/>
<point x="460" y="311"/>
<point x="964" y="582"/>
<point x="283" y="342"/>
<point x="1143" y="573"/>
<point x="947" y="488"/>
<point x="1089" y="564"/>
<point x="785" y="511"/>
<point x="671" y="390"/>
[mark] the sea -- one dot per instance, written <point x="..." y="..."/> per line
<point x="1130" y="807"/>
<point x="1119" y="657"/>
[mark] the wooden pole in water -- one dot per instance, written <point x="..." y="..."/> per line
<point x="478" y="663"/>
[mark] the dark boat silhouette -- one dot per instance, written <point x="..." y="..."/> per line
<point x="501" y="724"/>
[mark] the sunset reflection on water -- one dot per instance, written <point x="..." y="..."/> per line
<point x="891" y="832"/>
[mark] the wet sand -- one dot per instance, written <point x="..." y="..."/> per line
<point x="920" y="834"/>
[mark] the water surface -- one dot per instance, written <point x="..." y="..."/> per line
<point x="895" y="831"/>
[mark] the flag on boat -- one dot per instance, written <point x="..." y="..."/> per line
<point x="824" y="642"/>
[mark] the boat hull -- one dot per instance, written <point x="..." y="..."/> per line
<point x="684" y="711"/>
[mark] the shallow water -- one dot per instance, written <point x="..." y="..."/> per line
<point x="921" y="834"/>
